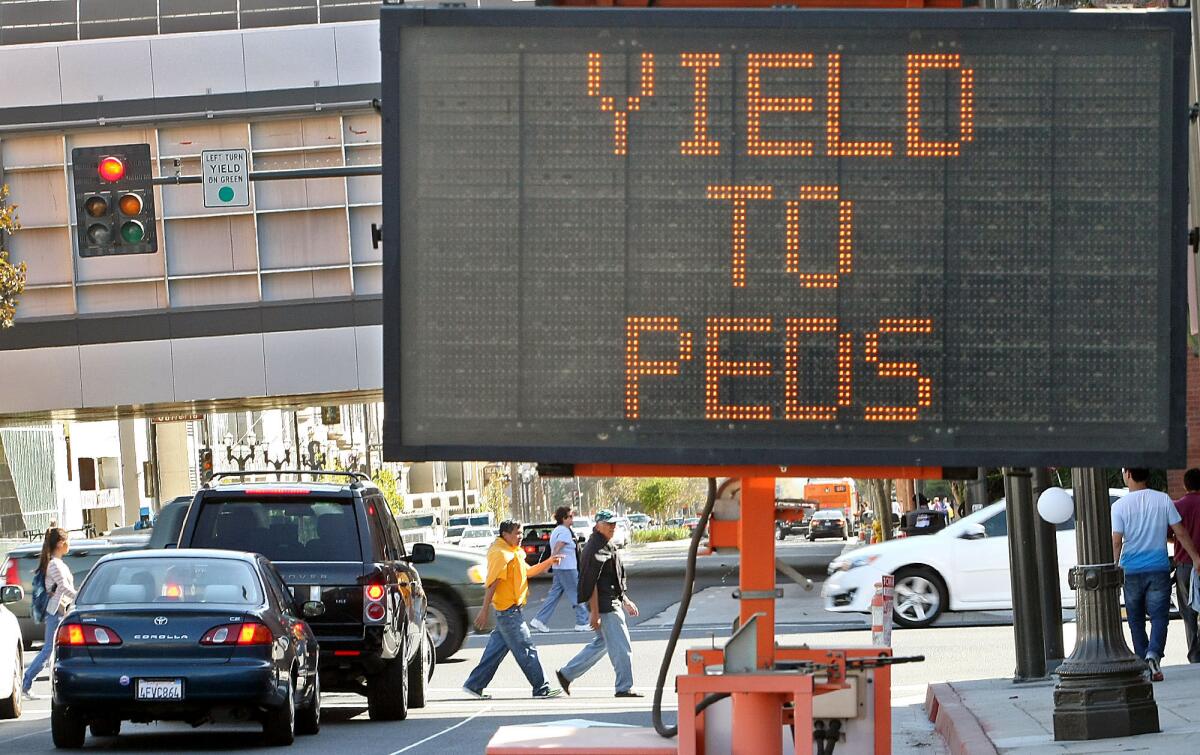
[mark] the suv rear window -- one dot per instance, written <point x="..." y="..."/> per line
<point x="172" y="580"/>
<point x="281" y="530"/>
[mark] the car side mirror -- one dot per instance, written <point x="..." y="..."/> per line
<point x="422" y="553"/>
<point x="974" y="531"/>
<point x="11" y="593"/>
<point x="311" y="609"/>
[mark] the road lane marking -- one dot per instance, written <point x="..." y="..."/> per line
<point x="443" y="731"/>
<point x="24" y="736"/>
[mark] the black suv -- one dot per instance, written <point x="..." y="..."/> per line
<point x="336" y="544"/>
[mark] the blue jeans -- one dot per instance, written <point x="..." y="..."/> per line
<point x="39" y="660"/>
<point x="613" y="637"/>
<point x="510" y="635"/>
<point x="566" y="582"/>
<point x="1148" y="593"/>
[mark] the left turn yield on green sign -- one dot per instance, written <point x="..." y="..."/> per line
<point x="226" y="178"/>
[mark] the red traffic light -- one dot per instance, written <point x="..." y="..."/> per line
<point x="111" y="168"/>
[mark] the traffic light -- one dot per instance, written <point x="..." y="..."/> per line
<point x="206" y="464"/>
<point x="114" y="200"/>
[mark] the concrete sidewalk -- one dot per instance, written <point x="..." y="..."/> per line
<point x="987" y="716"/>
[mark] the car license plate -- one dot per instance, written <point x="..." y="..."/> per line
<point x="159" y="689"/>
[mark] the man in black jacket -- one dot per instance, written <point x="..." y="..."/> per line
<point x="602" y="589"/>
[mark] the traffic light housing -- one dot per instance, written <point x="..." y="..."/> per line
<point x="206" y="464"/>
<point x="114" y="200"/>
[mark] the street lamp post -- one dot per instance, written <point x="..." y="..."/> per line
<point x="1102" y="690"/>
<point x="250" y="447"/>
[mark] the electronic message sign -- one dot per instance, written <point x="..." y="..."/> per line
<point x="784" y="236"/>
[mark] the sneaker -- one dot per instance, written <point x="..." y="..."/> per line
<point x="548" y="693"/>
<point x="476" y="695"/>
<point x="583" y="628"/>
<point x="629" y="693"/>
<point x="539" y="626"/>
<point x="30" y="695"/>
<point x="564" y="682"/>
<point x="1156" y="674"/>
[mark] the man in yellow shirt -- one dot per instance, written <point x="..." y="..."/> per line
<point x="507" y="590"/>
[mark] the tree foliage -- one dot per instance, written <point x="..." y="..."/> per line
<point x="496" y="498"/>
<point x="12" y="277"/>
<point x="388" y="483"/>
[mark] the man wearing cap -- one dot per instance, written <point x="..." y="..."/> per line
<point x="507" y="590"/>
<point x="602" y="588"/>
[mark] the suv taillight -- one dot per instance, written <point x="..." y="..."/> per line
<point x="12" y="573"/>
<point x="248" y="633"/>
<point x="373" y="607"/>
<point x="86" y="634"/>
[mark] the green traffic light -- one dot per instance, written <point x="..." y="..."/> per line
<point x="99" y="234"/>
<point x="133" y="232"/>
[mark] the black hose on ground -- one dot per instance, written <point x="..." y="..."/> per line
<point x="689" y="583"/>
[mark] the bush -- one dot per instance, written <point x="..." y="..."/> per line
<point x="661" y="534"/>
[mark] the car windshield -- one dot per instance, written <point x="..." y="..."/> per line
<point x="172" y="580"/>
<point x="415" y="521"/>
<point x="538" y="531"/>
<point x="280" y="529"/>
<point x="827" y="515"/>
<point x="477" y="532"/>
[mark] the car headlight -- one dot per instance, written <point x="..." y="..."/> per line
<point x="477" y="574"/>
<point x="846" y="564"/>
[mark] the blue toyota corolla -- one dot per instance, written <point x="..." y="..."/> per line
<point x="185" y="635"/>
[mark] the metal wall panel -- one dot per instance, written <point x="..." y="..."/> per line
<point x="198" y="64"/>
<point x="38" y="83"/>
<point x="192" y="360"/>
<point x="116" y="373"/>
<point x="290" y="58"/>
<point x="85" y="80"/>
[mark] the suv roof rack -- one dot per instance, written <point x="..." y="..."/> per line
<point x="356" y="478"/>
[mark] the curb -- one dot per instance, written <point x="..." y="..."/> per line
<point x="960" y="728"/>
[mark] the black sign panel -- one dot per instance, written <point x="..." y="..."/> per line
<point x="785" y="237"/>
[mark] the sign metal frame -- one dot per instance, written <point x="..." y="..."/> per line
<point x="1175" y="22"/>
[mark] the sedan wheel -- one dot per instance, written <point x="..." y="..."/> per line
<point x="11" y="708"/>
<point x="445" y="625"/>
<point x="920" y="598"/>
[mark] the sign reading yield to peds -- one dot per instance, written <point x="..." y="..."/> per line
<point x="784" y="237"/>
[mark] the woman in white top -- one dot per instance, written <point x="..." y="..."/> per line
<point x="60" y="584"/>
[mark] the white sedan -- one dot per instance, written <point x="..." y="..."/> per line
<point x="963" y="567"/>
<point x="477" y="538"/>
<point x="12" y="667"/>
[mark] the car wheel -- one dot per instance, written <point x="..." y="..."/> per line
<point x="106" y="727"/>
<point x="66" y="729"/>
<point x="308" y="718"/>
<point x="418" y="676"/>
<point x="920" y="597"/>
<point x="11" y="708"/>
<point x="446" y="625"/>
<point x="279" y="725"/>
<point x="387" y="692"/>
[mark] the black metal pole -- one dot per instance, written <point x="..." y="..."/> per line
<point x="1102" y="691"/>
<point x="1022" y="559"/>
<point x="1046" y="546"/>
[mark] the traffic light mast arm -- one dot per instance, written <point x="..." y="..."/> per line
<point x="338" y="171"/>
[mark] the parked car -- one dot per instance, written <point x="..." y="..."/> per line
<point x="827" y="523"/>
<point x="639" y="521"/>
<point x="458" y="523"/>
<point x="622" y="532"/>
<point x="963" y="567"/>
<point x="192" y="635"/>
<point x="12" y="667"/>
<point x="335" y="544"/>
<point x="799" y="526"/>
<point x="691" y="522"/>
<point x="420" y="528"/>
<point x="678" y="521"/>
<point x="535" y="541"/>
<point x="582" y="527"/>
<point x="477" y="538"/>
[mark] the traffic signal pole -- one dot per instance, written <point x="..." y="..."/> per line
<point x="337" y="171"/>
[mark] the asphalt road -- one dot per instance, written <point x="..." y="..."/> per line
<point x="452" y="722"/>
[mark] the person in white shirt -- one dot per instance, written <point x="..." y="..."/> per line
<point x="566" y="574"/>
<point x="60" y="584"/>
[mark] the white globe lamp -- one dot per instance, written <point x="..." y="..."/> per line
<point x="1055" y="505"/>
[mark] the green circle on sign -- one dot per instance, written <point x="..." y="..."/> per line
<point x="225" y="194"/>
